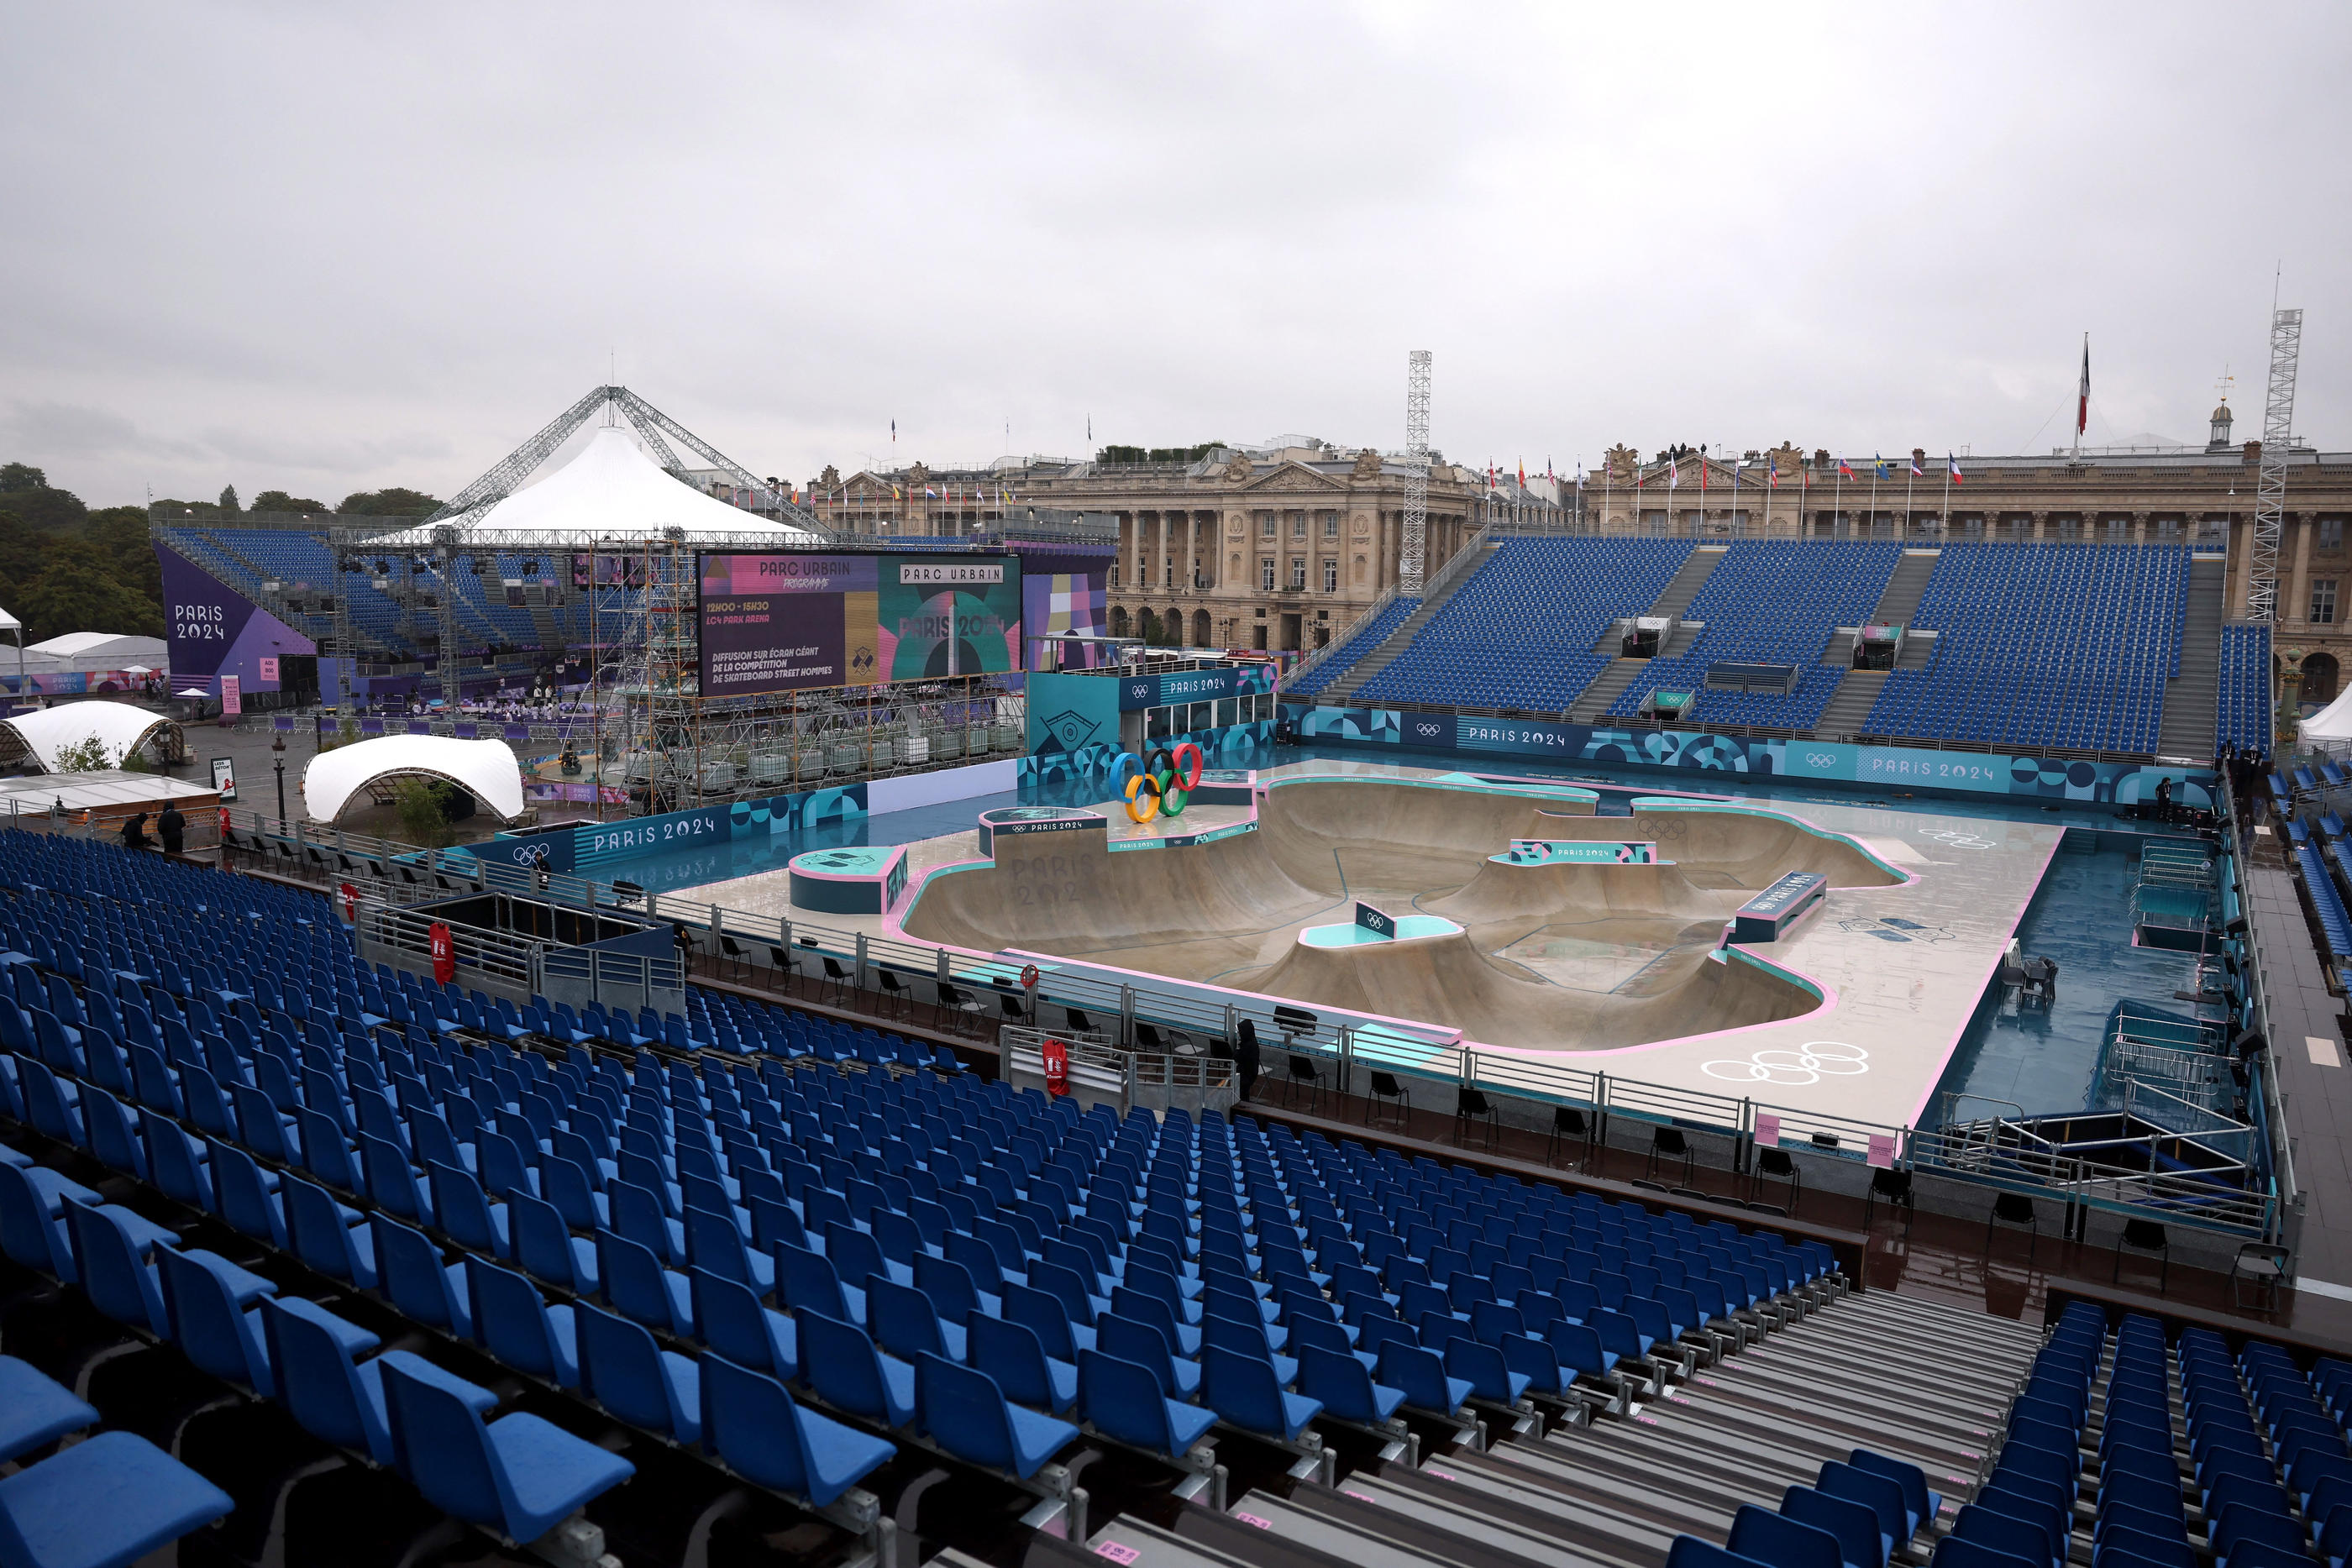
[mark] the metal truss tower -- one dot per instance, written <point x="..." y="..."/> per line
<point x="650" y="424"/>
<point x="2270" y="485"/>
<point x="1413" y="547"/>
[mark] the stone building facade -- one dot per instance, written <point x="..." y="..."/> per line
<point x="1274" y="547"/>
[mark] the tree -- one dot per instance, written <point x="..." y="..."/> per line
<point x="228" y="499"/>
<point x="279" y="501"/>
<point x="78" y="591"/>
<point x="120" y="535"/>
<point x="88" y="755"/>
<point x="16" y="476"/>
<point x="389" y="502"/>
<point x="30" y="498"/>
<point x="1147" y="626"/>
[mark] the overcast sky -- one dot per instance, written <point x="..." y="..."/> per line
<point x="327" y="248"/>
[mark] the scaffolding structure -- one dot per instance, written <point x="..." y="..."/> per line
<point x="1412" y="553"/>
<point x="2270" y="483"/>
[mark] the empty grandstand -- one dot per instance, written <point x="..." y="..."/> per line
<point x="2062" y="645"/>
<point x="2244" y="720"/>
<point x="1522" y="633"/>
<point x="1771" y="603"/>
<point x="2064" y="648"/>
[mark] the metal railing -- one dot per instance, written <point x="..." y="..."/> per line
<point x="1340" y="638"/>
<point x="2270" y="1107"/>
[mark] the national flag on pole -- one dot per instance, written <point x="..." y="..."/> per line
<point x="1916" y="472"/>
<point x="1673" y="475"/>
<point x="1952" y="466"/>
<point x="1737" y="464"/>
<point x="1523" y="473"/>
<point x="1880" y="468"/>
<point x="1772" y="479"/>
<point x="929" y="494"/>
<point x="2083" y="394"/>
<point x="1845" y="470"/>
<point x="894" y="432"/>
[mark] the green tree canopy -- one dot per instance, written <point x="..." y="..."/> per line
<point x="16" y="476"/>
<point x="229" y="498"/>
<point x="389" y="502"/>
<point x="77" y="590"/>
<point x="279" y="501"/>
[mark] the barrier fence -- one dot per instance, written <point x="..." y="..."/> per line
<point x="1177" y="1023"/>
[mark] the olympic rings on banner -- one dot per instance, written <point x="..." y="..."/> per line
<point x="1187" y="780"/>
<point x="1141" y="788"/>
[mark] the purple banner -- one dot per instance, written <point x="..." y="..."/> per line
<point x="215" y="630"/>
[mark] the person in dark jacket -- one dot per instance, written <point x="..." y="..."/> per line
<point x="170" y="827"/>
<point x="134" y="830"/>
<point x="1246" y="1058"/>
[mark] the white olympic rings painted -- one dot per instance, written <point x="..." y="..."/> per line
<point x="1794" y="1069"/>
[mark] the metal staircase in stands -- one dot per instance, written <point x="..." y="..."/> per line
<point x="2192" y="698"/>
<point x="1905" y="1378"/>
<point x="1858" y="693"/>
<point x="1673" y="600"/>
<point x="1373" y="662"/>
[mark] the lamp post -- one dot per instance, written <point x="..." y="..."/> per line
<point x="278" y="759"/>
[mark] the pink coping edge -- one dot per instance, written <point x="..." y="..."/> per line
<point x="899" y="852"/>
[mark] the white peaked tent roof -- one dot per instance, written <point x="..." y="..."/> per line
<point x="485" y="768"/>
<point x="119" y="725"/>
<point x="612" y="486"/>
<point x="2333" y="722"/>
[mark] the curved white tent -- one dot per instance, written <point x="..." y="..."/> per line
<point x="486" y="769"/>
<point x="118" y="727"/>
<point x="2333" y="722"/>
<point x="612" y="486"/>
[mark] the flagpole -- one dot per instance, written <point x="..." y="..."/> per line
<point x="1837" y="498"/>
<point x="1907" y="477"/>
<point x="1944" y="518"/>
<point x="1876" y="463"/>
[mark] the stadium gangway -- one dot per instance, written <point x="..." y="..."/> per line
<point x="1971" y="1153"/>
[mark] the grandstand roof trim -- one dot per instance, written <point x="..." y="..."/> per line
<point x="486" y="769"/>
<point x="612" y="487"/>
<point x="119" y="726"/>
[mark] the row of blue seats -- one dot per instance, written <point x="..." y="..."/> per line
<point x="2242" y="718"/>
<point x="109" y="1500"/>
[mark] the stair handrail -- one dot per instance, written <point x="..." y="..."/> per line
<point x="1340" y="638"/>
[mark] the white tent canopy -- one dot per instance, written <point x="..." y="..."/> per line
<point x="119" y="726"/>
<point x="612" y="487"/>
<point x="2333" y="722"/>
<point x="486" y="769"/>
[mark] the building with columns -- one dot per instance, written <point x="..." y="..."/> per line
<point x="1278" y="545"/>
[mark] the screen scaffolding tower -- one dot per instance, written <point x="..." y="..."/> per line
<point x="1413" y="547"/>
<point x="2270" y="482"/>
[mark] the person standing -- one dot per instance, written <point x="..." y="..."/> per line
<point x="1245" y="1057"/>
<point x="134" y="830"/>
<point x="170" y="827"/>
<point x="2163" y="799"/>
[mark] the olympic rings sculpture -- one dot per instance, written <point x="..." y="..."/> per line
<point x="1169" y="779"/>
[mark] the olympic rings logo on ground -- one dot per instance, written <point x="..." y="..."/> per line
<point x="1955" y="838"/>
<point x="1794" y="1069"/>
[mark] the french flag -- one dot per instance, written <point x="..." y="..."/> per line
<point x="1952" y="467"/>
<point x="1917" y="472"/>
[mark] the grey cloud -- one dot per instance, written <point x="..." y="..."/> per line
<point x="341" y="248"/>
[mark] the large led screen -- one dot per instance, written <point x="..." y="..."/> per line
<point x="780" y="622"/>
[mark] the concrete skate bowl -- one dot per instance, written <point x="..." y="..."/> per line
<point x="1556" y="956"/>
